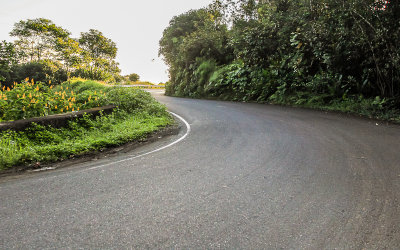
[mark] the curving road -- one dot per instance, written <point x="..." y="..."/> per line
<point x="246" y="176"/>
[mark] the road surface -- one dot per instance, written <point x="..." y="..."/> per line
<point x="246" y="176"/>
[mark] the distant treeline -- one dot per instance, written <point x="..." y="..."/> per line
<point x="314" y="52"/>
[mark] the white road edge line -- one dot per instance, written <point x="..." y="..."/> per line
<point x="188" y="129"/>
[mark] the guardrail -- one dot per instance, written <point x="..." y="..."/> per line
<point x="57" y="121"/>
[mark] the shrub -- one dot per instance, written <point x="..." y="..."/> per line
<point x="32" y="99"/>
<point x="40" y="71"/>
<point x="132" y="100"/>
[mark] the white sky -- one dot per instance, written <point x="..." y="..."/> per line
<point x="135" y="26"/>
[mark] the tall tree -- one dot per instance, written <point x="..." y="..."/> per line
<point x="8" y="58"/>
<point x="37" y="38"/>
<point x="190" y="39"/>
<point x="97" y="46"/>
<point x="70" y="53"/>
<point x="99" y="53"/>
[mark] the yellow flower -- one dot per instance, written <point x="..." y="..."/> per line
<point x="55" y="107"/>
<point x="30" y="95"/>
<point x="23" y="96"/>
<point x="8" y="89"/>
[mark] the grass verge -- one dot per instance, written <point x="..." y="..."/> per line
<point x="39" y="144"/>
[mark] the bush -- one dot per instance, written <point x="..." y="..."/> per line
<point x="40" y="71"/>
<point x="132" y="100"/>
<point x="32" y="99"/>
<point x="98" y="74"/>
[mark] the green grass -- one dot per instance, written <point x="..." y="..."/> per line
<point x="48" y="144"/>
<point x="376" y="108"/>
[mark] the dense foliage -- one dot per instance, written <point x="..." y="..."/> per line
<point x="32" y="99"/>
<point x="44" y="51"/>
<point x="310" y="53"/>
<point x="137" y="115"/>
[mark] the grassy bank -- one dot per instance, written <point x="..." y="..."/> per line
<point x="137" y="115"/>
<point x="376" y="108"/>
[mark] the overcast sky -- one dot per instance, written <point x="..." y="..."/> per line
<point x="135" y="26"/>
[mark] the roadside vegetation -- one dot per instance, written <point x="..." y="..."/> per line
<point x="46" y="52"/>
<point x="137" y="115"/>
<point x="33" y="99"/>
<point x="43" y="73"/>
<point x="331" y="55"/>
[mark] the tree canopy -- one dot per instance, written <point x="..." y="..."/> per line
<point x="37" y="37"/>
<point x="134" y="77"/>
<point x="286" y="51"/>
<point x="43" y="46"/>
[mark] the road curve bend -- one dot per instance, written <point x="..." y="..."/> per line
<point x="247" y="176"/>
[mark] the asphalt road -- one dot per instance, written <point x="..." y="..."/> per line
<point x="246" y="176"/>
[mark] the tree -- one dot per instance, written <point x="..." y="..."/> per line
<point x="70" y="53"/>
<point x="40" y="71"/>
<point x="133" y="77"/>
<point x="37" y="38"/>
<point x="191" y="39"/>
<point x="98" y="53"/>
<point x="8" y="58"/>
<point x="97" y="46"/>
<point x="275" y="50"/>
